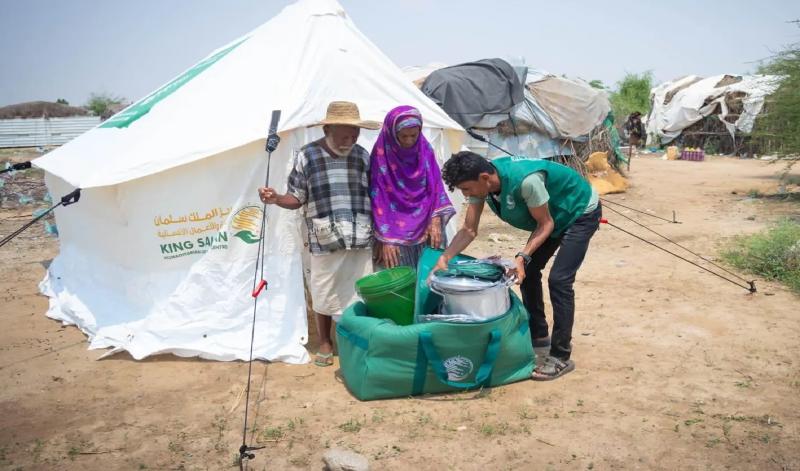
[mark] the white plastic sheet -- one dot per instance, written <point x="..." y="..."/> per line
<point x="697" y="98"/>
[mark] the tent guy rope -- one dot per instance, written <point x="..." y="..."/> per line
<point x="751" y="284"/>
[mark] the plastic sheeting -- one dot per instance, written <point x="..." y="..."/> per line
<point x="468" y="92"/>
<point x="693" y="98"/>
<point x="575" y="108"/>
<point x="158" y="256"/>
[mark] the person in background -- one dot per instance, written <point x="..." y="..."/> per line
<point x="562" y="212"/>
<point x="330" y="180"/>
<point x="410" y="207"/>
<point x="634" y="128"/>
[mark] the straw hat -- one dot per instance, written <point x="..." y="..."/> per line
<point x="346" y="113"/>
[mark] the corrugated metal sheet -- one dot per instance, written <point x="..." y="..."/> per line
<point x="43" y="131"/>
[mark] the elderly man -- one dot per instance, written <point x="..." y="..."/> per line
<point x="330" y="181"/>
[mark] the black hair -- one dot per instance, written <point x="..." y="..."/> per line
<point x="465" y="166"/>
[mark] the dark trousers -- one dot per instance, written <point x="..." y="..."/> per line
<point x="571" y="246"/>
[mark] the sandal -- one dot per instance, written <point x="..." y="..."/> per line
<point x="323" y="359"/>
<point x="552" y="368"/>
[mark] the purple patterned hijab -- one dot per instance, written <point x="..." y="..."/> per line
<point x="405" y="184"/>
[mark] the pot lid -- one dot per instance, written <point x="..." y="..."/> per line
<point x="460" y="283"/>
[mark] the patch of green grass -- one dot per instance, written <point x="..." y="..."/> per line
<point x="37" y="450"/>
<point x="352" y="426"/>
<point x="73" y="452"/>
<point x="302" y="461"/>
<point x="489" y="430"/>
<point x="691" y="422"/>
<point x="176" y="446"/>
<point x="713" y="442"/>
<point x="378" y="416"/>
<point x="773" y="254"/>
<point x="744" y="384"/>
<point x="220" y="424"/>
<point x="424" y="419"/>
<point x="273" y="433"/>
<point x="526" y="414"/>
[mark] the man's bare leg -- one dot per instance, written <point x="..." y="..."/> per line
<point x="325" y="351"/>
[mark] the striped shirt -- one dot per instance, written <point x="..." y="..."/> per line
<point x="335" y="193"/>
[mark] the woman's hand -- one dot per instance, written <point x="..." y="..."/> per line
<point x="390" y="255"/>
<point x="435" y="232"/>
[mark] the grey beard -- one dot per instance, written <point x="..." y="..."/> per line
<point x="336" y="151"/>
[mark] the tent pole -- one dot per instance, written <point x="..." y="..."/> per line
<point x="259" y="285"/>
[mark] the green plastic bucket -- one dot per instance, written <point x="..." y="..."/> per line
<point x="389" y="294"/>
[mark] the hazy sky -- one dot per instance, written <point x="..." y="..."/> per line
<point x="70" y="48"/>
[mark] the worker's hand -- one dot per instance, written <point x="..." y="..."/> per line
<point x="441" y="264"/>
<point x="268" y="195"/>
<point x="519" y="270"/>
<point x="435" y="232"/>
<point x="390" y="255"/>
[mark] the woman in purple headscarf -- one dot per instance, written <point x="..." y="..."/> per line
<point x="409" y="204"/>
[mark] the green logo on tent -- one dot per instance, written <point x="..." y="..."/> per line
<point x="247" y="223"/>
<point x="142" y="107"/>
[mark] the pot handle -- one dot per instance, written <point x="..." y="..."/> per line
<point x="484" y="372"/>
<point x="433" y="289"/>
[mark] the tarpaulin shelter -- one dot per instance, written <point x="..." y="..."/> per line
<point x="734" y="100"/>
<point x="158" y="255"/>
<point x="524" y="110"/>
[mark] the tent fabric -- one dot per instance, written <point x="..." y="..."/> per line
<point x="469" y="91"/>
<point x="693" y="98"/>
<point x="575" y="108"/>
<point x="554" y="113"/>
<point x="293" y="63"/>
<point x="159" y="254"/>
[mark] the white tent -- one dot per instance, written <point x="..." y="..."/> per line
<point x="158" y="256"/>
<point x="678" y="104"/>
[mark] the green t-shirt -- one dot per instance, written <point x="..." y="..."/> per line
<point x="535" y="193"/>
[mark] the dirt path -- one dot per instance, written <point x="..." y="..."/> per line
<point x="676" y="369"/>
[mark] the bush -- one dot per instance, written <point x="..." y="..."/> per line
<point x="773" y="254"/>
<point x="632" y="94"/>
<point x="100" y="102"/>
<point x="779" y="125"/>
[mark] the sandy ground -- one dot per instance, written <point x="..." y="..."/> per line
<point x="676" y="369"/>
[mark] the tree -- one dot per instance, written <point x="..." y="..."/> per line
<point x="632" y="94"/>
<point x="100" y="102"/>
<point x="597" y="84"/>
<point x="62" y="101"/>
<point x="779" y="126"/>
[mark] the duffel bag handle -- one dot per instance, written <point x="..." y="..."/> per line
<point x="484" y="372"/>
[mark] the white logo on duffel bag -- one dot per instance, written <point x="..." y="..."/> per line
<point x="458" y="367"/>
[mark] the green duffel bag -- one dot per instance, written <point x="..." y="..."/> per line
<point x="380" y="359"/>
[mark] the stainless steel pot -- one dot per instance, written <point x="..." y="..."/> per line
<point x="479" y="299"/>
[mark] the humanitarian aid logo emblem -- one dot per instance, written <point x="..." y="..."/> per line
<point x="246" y="224"/>
<point x="458" y="367"/>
